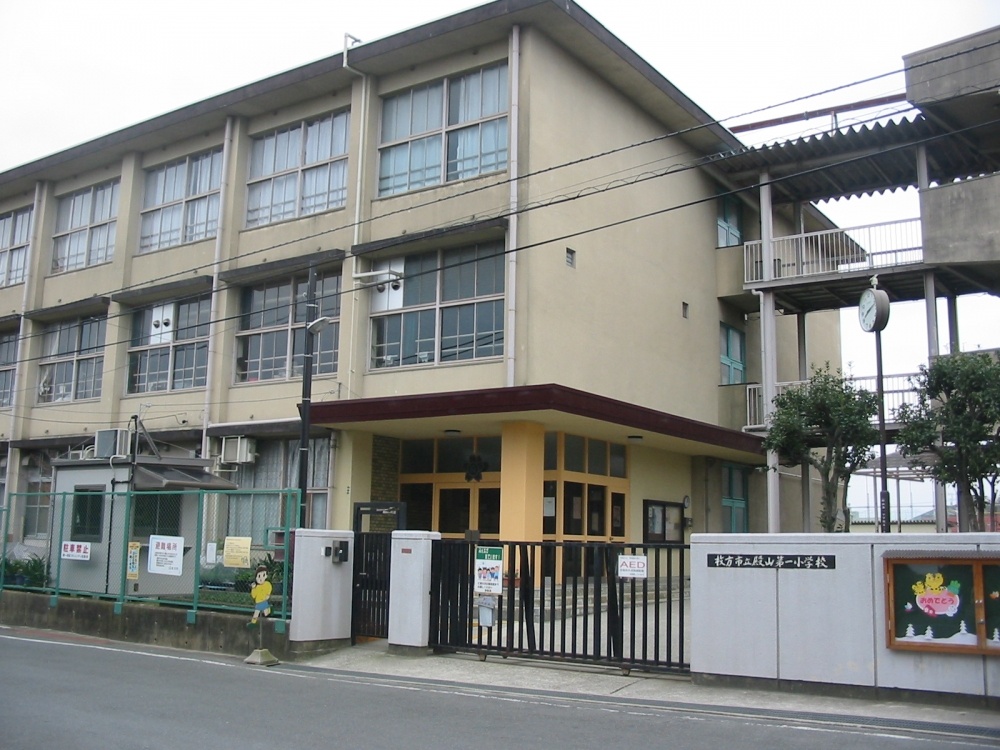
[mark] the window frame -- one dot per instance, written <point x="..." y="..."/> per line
<point x="733" y="501"/>
<point x="729" y="221"/>
<point x="422" y="152"/>
<point x="294" y="166"/>
<point x="451" y="309"/>
<point x="81" y="531"/>
<point x="15" y="245"/>
<point x="8" y="367"/>
<point x="732" y="364"/>
<point x="166" y="514"/>
<point x="187" y="198"/>
<point x="193" y="336"/>
<point x="79" y="216"/>
<point x="85" y="360"/>
<point x="655" y="517"/>
<point x="275" y="309"/>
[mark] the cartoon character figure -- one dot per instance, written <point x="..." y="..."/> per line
<point x="934" y="582"/>
<point x="260" y="592"/>
<point x="918" y="588"/>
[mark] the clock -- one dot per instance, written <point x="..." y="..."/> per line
<point x="873" y="310"/>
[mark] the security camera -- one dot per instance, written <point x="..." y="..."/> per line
<point x="380" y="287"/>
<point x="395" y="285"/>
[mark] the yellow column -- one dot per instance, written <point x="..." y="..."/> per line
<point x="521" y="476"/>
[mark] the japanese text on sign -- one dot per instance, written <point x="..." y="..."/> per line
<point x="794" y="562"/>
<point x="75" y="551"/>
<point x="489" y="562"/>
<point x="632" y="566"/>
<point x="166" y="554"/>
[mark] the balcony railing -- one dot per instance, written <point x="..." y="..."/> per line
<point x="864" y="248"/>
<point x="897" y="389"/>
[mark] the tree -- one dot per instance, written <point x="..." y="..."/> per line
<point x="952" y="430"/>
<point x="826" y="412"/>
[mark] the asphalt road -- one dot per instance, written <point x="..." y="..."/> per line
<point x="61" y="691"/>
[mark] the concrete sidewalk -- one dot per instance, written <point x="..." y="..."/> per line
<point x="374" y="658"/>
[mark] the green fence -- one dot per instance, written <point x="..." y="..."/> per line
<point x="193" y="549"/>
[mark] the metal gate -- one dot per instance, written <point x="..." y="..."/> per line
<point x="373" y="527"/>
<point x="567" y="601"/>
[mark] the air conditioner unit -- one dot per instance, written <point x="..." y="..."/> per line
<point x="75" y="455"/>
<point x="238" y="449"/>
<point x="115" y="442"/>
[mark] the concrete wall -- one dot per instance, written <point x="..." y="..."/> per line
<point x="212" y="632"/>
<point x="822" y="628"/>
<point x="959" y="221"/>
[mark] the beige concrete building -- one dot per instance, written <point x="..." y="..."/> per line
<point x="531" y="315"/>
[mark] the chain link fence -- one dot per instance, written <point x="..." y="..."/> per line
<point x="196" y="549"/>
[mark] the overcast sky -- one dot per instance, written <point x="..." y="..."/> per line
<point x="76" y="70"/>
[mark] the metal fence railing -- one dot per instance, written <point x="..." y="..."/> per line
<point x="898" y="389"/>
<point x="195" y="549"/>
<point x="866" y="248"/>
<point x="568" y="601"/>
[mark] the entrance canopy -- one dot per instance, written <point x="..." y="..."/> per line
<point x="164" y="477"/>
<point x="558" y="408"/>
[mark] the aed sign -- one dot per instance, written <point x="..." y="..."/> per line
<point x="632" y="566"/>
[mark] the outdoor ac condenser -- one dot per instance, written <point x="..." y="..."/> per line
<point x="109" y="443"/>
<point x="238" y="449"/>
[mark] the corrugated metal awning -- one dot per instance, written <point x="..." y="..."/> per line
<point x="173" y="478"/>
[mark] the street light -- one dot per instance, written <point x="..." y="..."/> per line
<point x="312" y="329"/>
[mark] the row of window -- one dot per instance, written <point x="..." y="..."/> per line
<point x="449" y="310"/>
<point x="447" y="130"/>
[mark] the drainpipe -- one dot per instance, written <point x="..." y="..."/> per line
<point x="215" y="328"/>
<point x="358" y="202"/>
<point x="514" y="66"/>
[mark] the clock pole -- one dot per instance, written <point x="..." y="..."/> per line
<point x="873" y="311"/>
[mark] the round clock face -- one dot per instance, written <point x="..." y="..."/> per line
<point x="873" y="310"/>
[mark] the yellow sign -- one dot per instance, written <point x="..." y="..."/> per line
<point x="236" y="552"/>
<point x="132" y="568"/>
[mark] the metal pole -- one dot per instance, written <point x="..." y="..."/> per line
<point x="885" y="521"/>
<point x="312" y="309"/>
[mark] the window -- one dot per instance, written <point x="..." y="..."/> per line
<point x="15" y="237"/>
<point x="733" y="355"/>
<point x="85" y="228"/>
<point x="88" y="514"/>
<point x="444" y="131"/>
<point x="452" y="309"/>
<point x="36" y="514"/>
<point x="263" y="506"/>
<point x="181" y="202"/>
<point x="156" y="514"/>
<point x="169" y="346"/>
<point x="271" y="341"/>
<point x="38" y="500"/>
<point x="8" y="365"/>
<point x="664" y="522"/>
<point x="734" y="499"/>
<point x="730" y="221"/>
<point x="298" y="170"/>
<point x="72" y="360"/>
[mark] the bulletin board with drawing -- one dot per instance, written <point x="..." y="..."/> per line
<point x="943" y="604"/>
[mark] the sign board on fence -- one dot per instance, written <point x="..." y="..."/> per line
<point x="489" y="567"/>
<point x="632" y="566"/>
<point x="236" y="552"/>
<point x="166" y="555"/>
<point x="132" y="561"/>
<point x="75" y="551"/>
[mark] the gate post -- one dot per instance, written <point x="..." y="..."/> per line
<point x="410" y="589"/>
